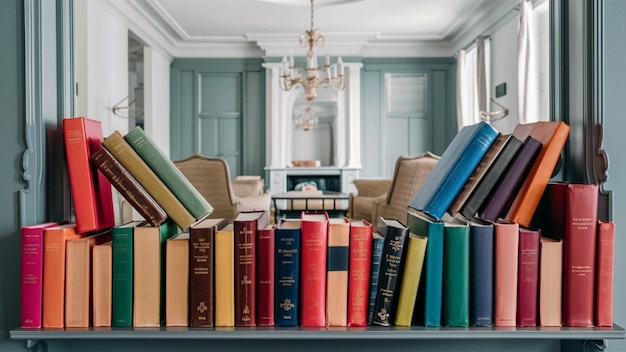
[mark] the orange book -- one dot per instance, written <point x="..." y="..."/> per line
<point x="550" y="281"/>
<point x="361" y="241"/>
<point x="506" y="242"/>
<point x="337" y="272"/>
<point x="102" y="284"/>
<point x="177" y="280"/>
<point x="313" y="246"/>
<point x="54" y="239"/>
<point x="552" y="135"/>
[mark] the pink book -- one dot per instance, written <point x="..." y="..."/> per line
<point x="604" y="281"/>
<point x="506" y="243"/>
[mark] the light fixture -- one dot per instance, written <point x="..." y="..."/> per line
<point x="313" y="75"/>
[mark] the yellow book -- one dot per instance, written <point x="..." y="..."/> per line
<point x="225" y="277"/>
<point x="177" y="280"/>
<point x="413" y="263"/>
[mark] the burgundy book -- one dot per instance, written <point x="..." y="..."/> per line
<point x="314" y="243"/>
<point x="359" y="272"/>
<point x="265" y="276"/>
<point x="527" y="276"/>
<point x="604" y="280"/>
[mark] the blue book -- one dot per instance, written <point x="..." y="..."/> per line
<point x="377" y="252"/>
<point x="481" y="273"/>
<point x="428" y="310"/>
<point x="287" y="237"/>
<point x="453" y="169"/>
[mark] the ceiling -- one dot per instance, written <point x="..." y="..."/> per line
<point x="258" y="28"/>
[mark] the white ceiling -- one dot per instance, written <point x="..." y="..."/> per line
<point x="256" y="28"/>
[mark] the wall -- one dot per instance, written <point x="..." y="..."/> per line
<point x="504" y="70"/>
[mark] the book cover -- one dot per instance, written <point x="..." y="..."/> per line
<point x="122" y="242"/>
<point x="377" y="252"/>
<point x="126" y="155"/>
<point x="604" y="272"/>
<point x="428" y="310"/>
<point x="149" y="273"/>
<point x="528" y="276"/>
<point x="501" y="196"/>
<point x="102" y="284"/>
<point x="453" y="169"/>
<point x="129" y="188"/>
<point x="395" y="234"/>
<point x="552" y="135"/>
<point x="245" y="227"/>
<point x="225" y="276"/>
<point x="456" y="270"/>
<point x="550" y="281"/>
<point x="54" y="239"/>
<point x="177" y="280"/>
<point x="265" y="241"/>
<point x="413" y="263"/>
<point x="506" y="246"/>
<point x="481" y="273"/>
<point x="491" y="177"/>
<point x="337" y="261"/>
<point x="91" y="190"/>
<point x="32" y="274"/>
<point x="359" y="274"/>
<point x="202" y="270"/>
<point x="165" y="169"/>
<point x="287" y="272"/>
<point x="314" y="244"/>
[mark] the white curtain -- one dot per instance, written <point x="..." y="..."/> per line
<point x="472" y="82"/>
<point x="527" y="69"/>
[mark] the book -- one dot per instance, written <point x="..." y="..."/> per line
<point x="78" y="278"/>
<point x="32" y="274"/>
<point x="413" y="263"/>
<point x="337" y="261"/>
<point x="314" y="243"/>
<point x="552" y="135"/>
<point x="165" y="169"/>
<point x="550" y="281"/>
<point x="102" y="284"/>
<point x="428" y="310"/>
<point x="177" y="280"/>
<point x="202" y="270"/>
<point x="265" y="241"/>
<point x="149" y="273"/>
<point x="54" y="239"/>
<point x="377" y="251"/>
<point x="359" y="274"/>
<point x="453" y="169"/>
<point x="126" y="155"/>
<point x="91" y="190"/>
<point x="245" y="227"/>
<point x="122" y="296"/>
<point x="287" y="272"/>
<point x="481" y="273"/>
<point x="527" y="276"/>
<point x="456" y="270"/>
<point x="395" y="234"/>
<point x="128" y="187"/>
<point x="491" y="177"/>
<point x="506" y="246"/>
<point x="225" y="276"/>
<point x="604" y="273"/>
<point x="501" y="196"/>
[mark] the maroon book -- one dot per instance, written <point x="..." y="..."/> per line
<point x="604" y="281"/>
<point x="265" y="276"/>
<point x="527" y="277"/>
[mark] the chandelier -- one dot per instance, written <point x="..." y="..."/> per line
<point x="313" y="75"/>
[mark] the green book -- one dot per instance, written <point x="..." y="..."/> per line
<point x="186" y="193"/>
<point x="122" y="271"/>
<point x="456" y="237"/>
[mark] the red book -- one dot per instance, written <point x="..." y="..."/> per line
<point x="314" y="242"/>
<point x="527" y="276"/>
<point x="265" y="276"/>
<point x="245" y="228"/>
<point x="91" y="190"/>
<point x="604" y="272"/>
<point x="506" y="244"/>
<point x="361" y="237"/>
<point x="32" y="274"/>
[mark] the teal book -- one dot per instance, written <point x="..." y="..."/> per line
<point x="453" y="169"/>
<point x="428" y="308"/>
<point x="456" y="273"/>
<point x="165" y="169"/>
<point x="122" y="274"/>
<point x="377" y="252"/>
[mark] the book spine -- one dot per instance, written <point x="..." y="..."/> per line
<point x="177" y="281"/>
<point x="102" y="285"/>
<point x="225" y="277"/>
<point x="265" y="276"/>
<point x="122" y="295"/>
<point x="456" y="276"/>
<point x="287" y="276"/>
<point x="506" y="243"/>
<point x="337" y="261"/>
<point x="165" y="169"/>
<point x="416" y="248"/>
<point x="550" y="281"/>
<point x="527" y="279"/>
<point x="201" y="276"/>
<point x="359" y="274"/>
<point x="54" y="276"/>
<point x="129" y="188"/>
<point x="77" y="282"/>
<point x="245" y="272"/>
<point x="481" y="275"/>
<point x="604" y="283"/>
<point x="377" y="252"/>
<point x="314" y="241"/>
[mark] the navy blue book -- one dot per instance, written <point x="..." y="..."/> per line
<point x="453" y="169"/>
<point x="377" y="252"/>
<point x="481" y="273"/>
<point x="287" y="237"/>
